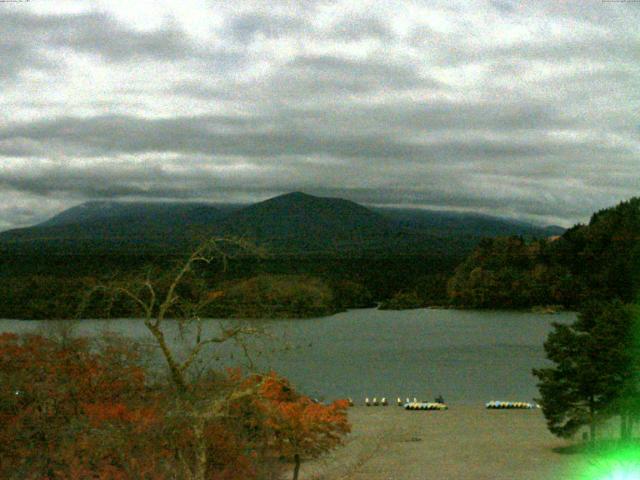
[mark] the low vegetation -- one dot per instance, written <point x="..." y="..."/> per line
<point x="274" y="296"/>
<point x="262" y="296"/>
<point x="51" y="287"/>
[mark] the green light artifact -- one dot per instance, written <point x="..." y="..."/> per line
<point x="618" y="464"/>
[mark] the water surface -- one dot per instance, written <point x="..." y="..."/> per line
<point x="466" y="356"/>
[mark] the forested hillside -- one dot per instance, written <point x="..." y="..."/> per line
<point x="600" y="260"/>
<point x="345" y="254"/>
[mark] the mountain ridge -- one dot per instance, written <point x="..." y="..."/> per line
<point x="294" y="222"/>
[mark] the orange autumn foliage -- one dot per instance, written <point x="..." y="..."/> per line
<point x="298" y="425"/>
<point x="66" y="410"/>
<point x="72" y="411"/>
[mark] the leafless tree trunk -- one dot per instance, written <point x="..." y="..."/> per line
<point x="296" y="468"/>
<point x="155" y="308"/>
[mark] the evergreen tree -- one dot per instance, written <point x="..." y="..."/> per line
<point x="595" y="371"/>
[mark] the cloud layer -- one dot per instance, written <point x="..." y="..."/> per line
<point x="522" y="109"/>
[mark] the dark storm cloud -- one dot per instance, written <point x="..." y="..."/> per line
<point x="101" y="35"/>
<point x="437" y="116"/>
<point x="604" y="49"/>
<point x="527" y="109"/>
<point x="505" y="6"/>
<point x="163" y="179"/>
<point x="199" y="90"/>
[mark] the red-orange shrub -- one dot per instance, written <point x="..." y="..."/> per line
<point x="70" y="411"/>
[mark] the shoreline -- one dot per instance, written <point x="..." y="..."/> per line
<point x="462" y="443"/>
<point x="540" y="310"/>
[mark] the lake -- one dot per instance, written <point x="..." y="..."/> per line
<point x="467" y="356"/>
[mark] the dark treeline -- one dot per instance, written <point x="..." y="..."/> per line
<point x="323" y="255"/>
<point x="56" y="286"/>
<point x="598" y="261"/>
<point x="594" y="374"/>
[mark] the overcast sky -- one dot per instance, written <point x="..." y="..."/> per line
<point x="527" y="109"/>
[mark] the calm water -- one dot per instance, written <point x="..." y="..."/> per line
<point x="467" y="356"/>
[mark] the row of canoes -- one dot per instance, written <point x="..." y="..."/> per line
<point x="425" y="406"/>
<point x="495" y="404"/>
<point x="417" y="405"/>
<point x="374" y="402"/>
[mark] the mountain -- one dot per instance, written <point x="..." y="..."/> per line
<point x="301" y="222"/>
<point x="292" y="223"/>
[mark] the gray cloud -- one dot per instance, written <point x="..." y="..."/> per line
<point x="254" y="26"/>
<point x="257" y="137"/>
<point x="28" y="39"/>
<point x="16" y="56"/>
<point x="321" y="73"/>
<point x="362" y="28"/>
<point x="525" y="109"/>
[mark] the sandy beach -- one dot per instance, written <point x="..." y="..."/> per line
<point x="462" y="443"/>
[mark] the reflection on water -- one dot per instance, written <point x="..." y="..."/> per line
<point x="467" y="356"/>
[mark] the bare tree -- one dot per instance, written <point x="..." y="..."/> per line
<point x="159" y="304"/>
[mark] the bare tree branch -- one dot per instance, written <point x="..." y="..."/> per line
<point x="156" y="306"/>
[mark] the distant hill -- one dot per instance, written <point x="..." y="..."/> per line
<point x="107" y="226"/>
<point x="447" y="223"/>
<point x="292" y="223"/>
<point x="164" y="213"/>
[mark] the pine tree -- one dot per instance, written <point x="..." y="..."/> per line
<point x="595" y="371"/>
